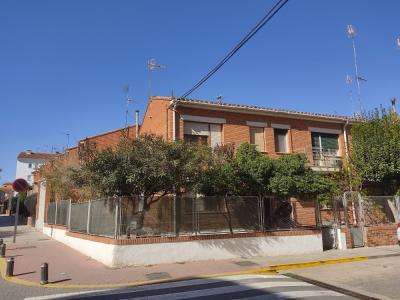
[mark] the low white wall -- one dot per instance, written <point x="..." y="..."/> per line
<point x="216" y="249"/>
<point x="151" y="254"/>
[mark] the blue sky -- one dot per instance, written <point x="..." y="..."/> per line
<point x="63" y="64"/>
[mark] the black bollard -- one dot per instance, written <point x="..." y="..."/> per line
<point x="1" y="241"/>
<point x="10" y="267"/>
<point x="44" y="273"/>
<point x="2" y="250"/>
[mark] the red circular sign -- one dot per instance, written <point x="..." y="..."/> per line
<point x="20" y="185"/>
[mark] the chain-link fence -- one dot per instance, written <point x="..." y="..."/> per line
<point x="128" y="217"/>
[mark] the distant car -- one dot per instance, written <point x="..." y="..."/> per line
<point x="398" y="233"/>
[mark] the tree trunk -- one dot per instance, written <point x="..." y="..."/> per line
<point x="228" y="214"/>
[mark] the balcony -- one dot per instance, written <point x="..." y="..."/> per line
<point x="326" y="160"/>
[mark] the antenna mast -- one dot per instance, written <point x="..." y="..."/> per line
<point x="128" y="100"/>
<point x="351" y="34"/>
<point x="152" y="65"/>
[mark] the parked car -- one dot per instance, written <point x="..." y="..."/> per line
<point x="398" y="233"/>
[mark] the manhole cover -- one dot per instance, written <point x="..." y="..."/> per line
<point x="245" y="263"/>
<point x="158" y="275"/>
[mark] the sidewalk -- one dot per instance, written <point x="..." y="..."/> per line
<point x="69" y="268"/>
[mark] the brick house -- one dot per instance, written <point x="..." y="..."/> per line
<point x="323" y="138"/>
<point x="71" y="155"/>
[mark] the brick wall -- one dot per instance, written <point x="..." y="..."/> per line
<point x="381" y="235"/>
<point x="157" y="118"/>
<point x="237" y="132"/>
<point x="304" y="212"/>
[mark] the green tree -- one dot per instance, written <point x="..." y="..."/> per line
<point x="293" y="178"/>
<point x="147" y="167"/>
<point x="375" y="155"/>
<point x="254" y="169"/>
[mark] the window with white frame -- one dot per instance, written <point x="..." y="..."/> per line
<point x="202" y="133"/>
<point x="327" y="143"/>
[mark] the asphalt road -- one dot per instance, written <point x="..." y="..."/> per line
<point x="378" y="278"/>
<point x="254" y="286"/>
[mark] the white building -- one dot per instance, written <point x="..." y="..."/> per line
<point x="28" y="162"/>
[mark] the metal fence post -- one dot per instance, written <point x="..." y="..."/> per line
<point x="88" y="217"/>
<point x="69" y="213"/>
<point x="55" y="215"/>
<point x="317" y="214"/>
<point x="117" y="208"/>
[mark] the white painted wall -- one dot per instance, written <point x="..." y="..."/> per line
<point x="23" y="170"/>
<point x="42" y="197"/>
<point x="150" y="254"/>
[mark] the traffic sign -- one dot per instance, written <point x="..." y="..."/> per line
<point x="20" y="185"/>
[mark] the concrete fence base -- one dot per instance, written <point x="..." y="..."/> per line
<point x="117" y="255"/>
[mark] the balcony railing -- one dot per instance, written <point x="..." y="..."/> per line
<point x="326" y="158"/>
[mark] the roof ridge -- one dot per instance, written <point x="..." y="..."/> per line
<point x="189" y="100"/>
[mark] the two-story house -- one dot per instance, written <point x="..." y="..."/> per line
<point x="323" y="138"/>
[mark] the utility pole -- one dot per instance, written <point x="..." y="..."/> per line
<point x="351" y="35"/>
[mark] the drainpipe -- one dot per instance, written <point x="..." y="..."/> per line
<point x="346" y="145"/>
<point x="346" y="148"/>
<point x="137" y="124"/>
<point x="173" y="120"/>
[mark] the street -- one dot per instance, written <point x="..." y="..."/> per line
<point x="229" y="287"/>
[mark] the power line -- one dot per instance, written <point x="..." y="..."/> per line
<point x="270" y="14"/>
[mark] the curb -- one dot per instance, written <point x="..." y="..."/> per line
<point x="273" y="269"/>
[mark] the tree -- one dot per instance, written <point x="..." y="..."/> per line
<point x="147" y="167"/>
<point x="220" y="178"/>
<point x="292" y="177"/>
<point x="60" y="178"/>
<point x="254" y="169"/>
<point x="375" y="155"/>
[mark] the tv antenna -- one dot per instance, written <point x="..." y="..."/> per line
<point x="128" y="100"/>
<point x="151" y="66"/>
<point x="67" y="135"/>
<point x="351" y="35"/>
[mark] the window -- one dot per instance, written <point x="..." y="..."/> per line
<point x="30" y="165"/>
<point x="202" y="133"/>
<point x="281" y="143"/>
<point x="326" y="142"/>
<point x="257" y="138"/>
<point x="29" y="178"/>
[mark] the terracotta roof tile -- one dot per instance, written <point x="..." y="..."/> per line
<point x="35" y="155"/>
<point x="265" y="109"/>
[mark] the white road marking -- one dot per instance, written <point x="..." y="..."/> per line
<point x="221" y="290"/>
<point x="238" y="284"/>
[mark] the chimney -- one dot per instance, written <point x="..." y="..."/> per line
<point x="137" y="124"/>
<point x="393" y="102"/>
